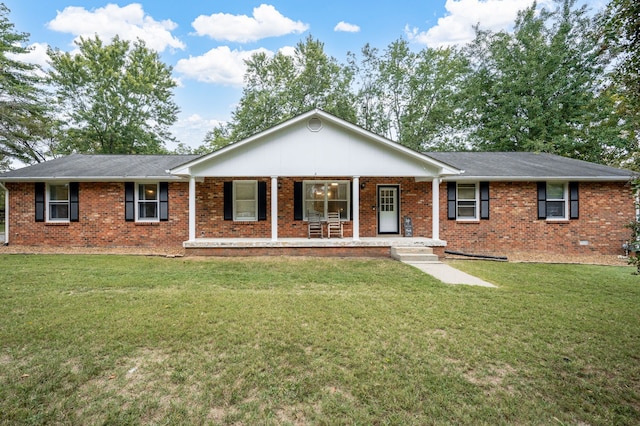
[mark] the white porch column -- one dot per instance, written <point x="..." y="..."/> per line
<point x="192" y="208"/>
<point x="274" y="208"/>
<point x="435" y="208"/>
<point x="6" y="214"/>
<point x="356" y="208"/>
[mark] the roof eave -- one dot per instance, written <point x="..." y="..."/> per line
<point x="539" y="178"/>
<point x="165" y="178"/>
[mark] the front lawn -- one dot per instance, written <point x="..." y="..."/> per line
<point x="144" y="340"/>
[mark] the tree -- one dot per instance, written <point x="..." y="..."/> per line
<point x="114" y="98"/>
<point x="410" y="97"/>
<point x="280" y="87"/>
<point x="24" y="122"/>
<point x="621" y="39"/>
<point x="540" y="88"/>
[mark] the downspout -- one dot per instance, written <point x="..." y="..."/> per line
<point x="6" y="214"/>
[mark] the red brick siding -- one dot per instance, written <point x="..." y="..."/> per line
<point x="101" y="221"/>
<point x="605" y="209"/>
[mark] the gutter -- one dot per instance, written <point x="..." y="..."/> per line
<point x="6" y="214"/>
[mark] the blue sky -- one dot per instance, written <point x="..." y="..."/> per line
<point x="206" y="41"/>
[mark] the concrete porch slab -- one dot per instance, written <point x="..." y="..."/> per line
<point x="313" y="242"/>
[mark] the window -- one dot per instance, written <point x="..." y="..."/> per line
<point x="58" y="202"/>
<point x="245" y="200"/>
<point x="556" y="200"/>
<point x="326" y="196"/>
<point x="467" y="201"/>
<point x="147" y="202"/>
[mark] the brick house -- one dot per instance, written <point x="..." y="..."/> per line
<point x="255" y="196"/>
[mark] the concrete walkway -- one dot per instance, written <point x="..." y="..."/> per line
<point x="448" y="274"/>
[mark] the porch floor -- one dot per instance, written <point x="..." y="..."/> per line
<point x="395" y="241"/>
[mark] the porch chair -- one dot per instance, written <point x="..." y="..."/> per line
<point x="315" y="224"/>
<point x="334" y="225"/>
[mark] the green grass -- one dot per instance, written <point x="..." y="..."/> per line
<point x="143" y="340"/>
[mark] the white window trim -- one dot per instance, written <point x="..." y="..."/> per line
<point x="48" y="202"/>
<point x="476" y="201"/>
<point x="565" y="199"/>
<point x="137" y="202"/>
<point x="255" y="199"/>
<point x="326" y="197"/>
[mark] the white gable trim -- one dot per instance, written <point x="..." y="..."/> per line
<point x="220" y="163"/>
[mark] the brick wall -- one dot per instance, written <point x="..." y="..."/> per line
<point x="605" y="209"/>
<point x="101" y="222"/>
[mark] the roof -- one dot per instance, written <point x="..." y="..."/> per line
<point x="526" y="166"/>
<point x="98" y="167"/>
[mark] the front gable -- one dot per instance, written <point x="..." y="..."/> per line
<point x="315" y="144"/>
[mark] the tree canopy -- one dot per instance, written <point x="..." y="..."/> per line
<point x="113" y="98"/>
<point x="24" y="122"/>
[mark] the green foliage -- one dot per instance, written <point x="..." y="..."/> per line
<point x="538" y="89"/>
<point x="634" y="226"/>
<point x="620" y="25"/>
<point x="24" y="122"/>
<point x="283" y="86"/>
<point x="116" y="98"/>
<point x="411" y="97"/>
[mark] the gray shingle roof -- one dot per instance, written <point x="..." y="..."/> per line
<point x="526" y="166"/>
<point x="476" y="165"/>
<point x="101" y="167"/>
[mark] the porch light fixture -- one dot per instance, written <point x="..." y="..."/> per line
<point x="362" y="185"/>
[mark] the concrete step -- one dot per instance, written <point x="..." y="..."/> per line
<point x="414" y="254"/>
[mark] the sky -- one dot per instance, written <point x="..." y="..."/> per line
<point x="206" y="41"/>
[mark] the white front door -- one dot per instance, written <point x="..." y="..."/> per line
<point x="388" y="211"/>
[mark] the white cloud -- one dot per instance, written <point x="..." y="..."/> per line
<point x="37" y="55"/>
<point x="347" y="28"/>
<point x="192" y="129"/>
<point x="266" y="22"/>
<point x="457" y="26"/>
<point x="129" y="23"/>
<point x="220" y="65"/>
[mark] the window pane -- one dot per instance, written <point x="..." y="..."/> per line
<point x="58" y="211"/>
<point x="245" y="190"/>
<point x="467" y="209"/>
<point x="245" y="201"/>
<point x="555" y="209"/>
<point x="555" y="191"/>
<point x="148" y="191"/>
<point x="59" y="192"/>
<point x="148" y="210"/>
<point x="338" y="206"/>
<point x="467" y="191"/>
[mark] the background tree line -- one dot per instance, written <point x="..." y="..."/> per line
<point x="562" y="82"/>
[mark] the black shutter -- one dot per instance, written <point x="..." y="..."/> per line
<point x="542" y="200"/>
<point x="574" y="209"/>
<point x="451" y="200"/>
<point x="262" y="200"/>
<point x="298" y="201"/>
<point x="484" y="200"/>
<point x="164" y="201"/>
<point x="129" y="202"/>
<point x="351" y="200"/>
<point x="228" y="201"/>
<point x="74" y="212"/>
<point x="39" y="191"/>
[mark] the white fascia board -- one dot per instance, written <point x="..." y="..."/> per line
<point x="164" y="178"/>
<point x="536" y="178"/>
